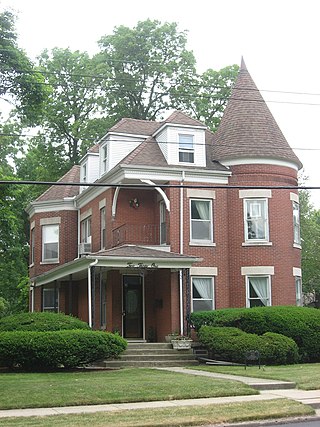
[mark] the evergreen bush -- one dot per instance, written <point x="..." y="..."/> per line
<point x="231" y="344"/>
<point x="302" y="324"/>
<point x="41" y="321"/>
<point x="36" y="351"/>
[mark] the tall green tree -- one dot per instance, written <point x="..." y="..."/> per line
<point x="20" y="84"/>
<point x="145" y="64"/>
<point x="310" y="236"/>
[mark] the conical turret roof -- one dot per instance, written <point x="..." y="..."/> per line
<point x="248" y="129"/>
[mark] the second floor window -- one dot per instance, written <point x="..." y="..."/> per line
<point x="296" y="223"/>
<point x="102" y="228"/>
<point x="201" y="221"/>
<point x="50" y="242"/>
<point x="32" y="245"/>
<point x="86" y="230"/>
<point x="186" y="148"/>
<point x="256" y="220"/>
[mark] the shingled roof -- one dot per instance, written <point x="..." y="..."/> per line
<point x="248" y="129"/>
<point x="59" y="192"/>
<point x="135" y="127"/>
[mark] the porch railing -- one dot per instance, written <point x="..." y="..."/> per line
<point x="138" y="234"/>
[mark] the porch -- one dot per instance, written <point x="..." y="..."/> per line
<point x="140" y="234"/>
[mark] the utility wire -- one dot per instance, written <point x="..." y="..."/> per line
<point x="142" y="186"/>
<point x="147" y="141"/>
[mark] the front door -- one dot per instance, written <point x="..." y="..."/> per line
<point x="132" y="307"/>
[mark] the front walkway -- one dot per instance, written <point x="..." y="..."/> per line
<point x="270" y="390"/>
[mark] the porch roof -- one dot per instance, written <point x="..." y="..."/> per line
<point x="126" y="256"/>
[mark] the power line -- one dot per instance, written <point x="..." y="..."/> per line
<point x="142" y="186"/>
<point x="169" y="142"/>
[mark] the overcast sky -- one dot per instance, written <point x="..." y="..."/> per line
<point x="279" y="40"/>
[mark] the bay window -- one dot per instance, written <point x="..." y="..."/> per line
<point x="256" y="220"/>
<point x="50" y="243"/>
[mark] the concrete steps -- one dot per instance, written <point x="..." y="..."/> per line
<point x="151" y="355"/>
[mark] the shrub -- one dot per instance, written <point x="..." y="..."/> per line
<point x="35" y="351"/>
<point x="39" y="321"/>
<point x="302" y="324"/>
<point x="230" y="344"/>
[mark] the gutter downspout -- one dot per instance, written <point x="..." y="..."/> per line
<point x="181" y="252"/>
<point x="90" y="292"/>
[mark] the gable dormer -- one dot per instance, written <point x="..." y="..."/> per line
<point x="182" y="140"/>
<point x="89" y="166"/>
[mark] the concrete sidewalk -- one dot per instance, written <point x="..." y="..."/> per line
<point x="270" y="389"/>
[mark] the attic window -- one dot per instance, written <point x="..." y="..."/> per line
<point x="186" y="148"/>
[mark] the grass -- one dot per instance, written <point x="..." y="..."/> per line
<point x="173" y="416"/>
<point x="306" y="376"/>
<point x="36" y="390"/>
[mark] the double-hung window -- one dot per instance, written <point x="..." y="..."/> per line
<point x="186" y="148"/>
<point x="296" y="223"/>
<point x="104" y="158"/>
<point x="298" y="284"/>
<point x="258" y="291"/>
<point x="201" y="229"/>
<point x="50" y="243"/>
<point x="32" y="245"/>
<point x="86" y="230"/>
<point x="202" y="293"/>
<point x="102" y="228"/>
<point x="256" y="220"/>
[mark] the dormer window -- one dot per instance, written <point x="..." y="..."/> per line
<point x="104" y="158"/>
<point x="186" y="148"/>
<point x="84" y="173"/>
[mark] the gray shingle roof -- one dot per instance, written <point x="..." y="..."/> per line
<point x="133" y="251"/>
<point x="59" y="192"/>
<point x="247" y="128"/>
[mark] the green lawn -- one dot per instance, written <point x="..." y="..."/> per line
<point x="176" y="416"/>
<point x="29" y="390"/>
<point x="306" y="376"/>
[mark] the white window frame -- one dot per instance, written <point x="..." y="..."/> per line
<point x="248" y="298"/>
<point x="193" y="299"/>
<point x="84" y="171"/>
<point x="85" y="229"/>
<point x="210" y="220"/>
<point x="298" y="286"/>
<point x="248" y="209"/>
<point x="296" y="223"/>
<point x="103" y="228"/>
<point x="45" y="227"/>
<point x="186" y="147"/>
<point x="54" y="291"/>
<point x="32" y="245"/>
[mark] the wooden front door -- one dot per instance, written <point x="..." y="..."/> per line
<point x="133" y="312"/>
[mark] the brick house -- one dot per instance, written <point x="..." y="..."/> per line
<point x="174" y="223"/>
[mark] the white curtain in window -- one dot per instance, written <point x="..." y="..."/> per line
<point x="203" y="286"/>
<point x="203" y="208"/>
<point x="261" y="288"/>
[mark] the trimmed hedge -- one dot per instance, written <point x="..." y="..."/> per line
<point x="302" y="324"/>
<point x="38" y="351"/>
<point x="230" y="344"/>
<point x="41" y="321"/>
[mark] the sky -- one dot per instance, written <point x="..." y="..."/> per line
<point x="278" y="39"/>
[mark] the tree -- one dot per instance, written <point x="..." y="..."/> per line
<point x="20" y="84"/>
<point x="145" y="65"/>
<point x="206" y="97"/>
<point x="310" y="236"/>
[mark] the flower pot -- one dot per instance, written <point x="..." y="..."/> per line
<point x="181" y="344"/>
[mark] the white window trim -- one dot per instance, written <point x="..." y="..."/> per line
<point x="102" y="230"/>
<point x="296" y="278"/>
<point x="49" y="260"/>
<point x="247" y="288"/>
<point x="86" y="238"/>
<point x="203" y="299"/>
<point x="248" y="241"/>
<point x="296" y="244"/>
<point x="201" y="242"/>
<point x="186" y="150"/>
